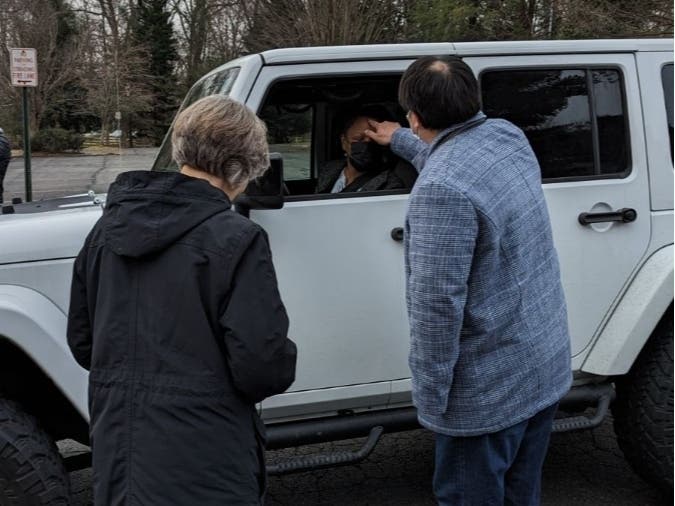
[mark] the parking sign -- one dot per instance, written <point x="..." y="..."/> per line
<point x="23" y="66"/>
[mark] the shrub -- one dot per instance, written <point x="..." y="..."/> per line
<point x="56" y="140"/>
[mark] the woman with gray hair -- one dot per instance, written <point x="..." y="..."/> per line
<point x="221" y="138"/>
<point x="176" y="314"/>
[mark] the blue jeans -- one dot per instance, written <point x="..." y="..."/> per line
<point x="502" y="468"/>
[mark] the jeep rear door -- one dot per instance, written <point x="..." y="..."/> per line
<point x="583" y="116"/>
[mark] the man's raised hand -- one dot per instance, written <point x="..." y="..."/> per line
<point x="381" y="132"/>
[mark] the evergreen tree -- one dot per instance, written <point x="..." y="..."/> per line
<point x="152" y="28"/>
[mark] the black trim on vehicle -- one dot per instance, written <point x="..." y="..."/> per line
<point x="362" y="59"/>
<point x="595" y="133"/>
<point x="38" y="260"/>
<point x="336" y="196"/>
<point x="347" y="426"/>
<point x="327" y="75"/>
<point x="352" y="425"/>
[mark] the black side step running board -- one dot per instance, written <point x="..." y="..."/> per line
<point x="600" y="395"/>
<point x="321" y="461"/>
<point x="603" y="394"/>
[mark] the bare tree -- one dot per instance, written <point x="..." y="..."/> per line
<point x="211" y="32"/>
<point x="289" y="23"/>
<point x="115" y="71"/>
<point x="614" y="18"/>
<point x="458" y="20"/>
<point x="194" y="19"/>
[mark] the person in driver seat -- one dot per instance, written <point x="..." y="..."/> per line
<point x="366" y="166"/>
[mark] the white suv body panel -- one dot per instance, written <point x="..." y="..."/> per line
<point x="656" y="128"/>
<point x="38" y="327"/>
<point x="595" y="260"/>
<point x="647" y="298"/>
<point x="341" y="278"/>
<point x="39" y="236"/>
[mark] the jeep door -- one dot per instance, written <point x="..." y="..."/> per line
<point x="583" y="116"/>
<point x="340" y="271"/>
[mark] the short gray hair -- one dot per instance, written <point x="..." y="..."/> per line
<point x="222" y="137"/>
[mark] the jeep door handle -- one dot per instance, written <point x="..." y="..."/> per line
<point x="625" y="215"/>
<point x="397" y="234"/>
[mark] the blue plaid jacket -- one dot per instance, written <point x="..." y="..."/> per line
<point x="489" y="337"/>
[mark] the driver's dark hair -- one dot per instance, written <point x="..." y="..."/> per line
<point x="441" y="90"/>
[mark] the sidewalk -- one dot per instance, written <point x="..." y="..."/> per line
<point x="59" y="175"/>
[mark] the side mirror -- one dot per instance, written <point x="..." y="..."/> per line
<point x="265" y="192"/>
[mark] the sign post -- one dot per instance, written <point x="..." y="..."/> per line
<point x="23" y="68"/>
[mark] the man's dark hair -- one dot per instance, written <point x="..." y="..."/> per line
<point x="441" y="90"/>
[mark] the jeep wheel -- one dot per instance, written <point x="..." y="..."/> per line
<point x="31" y="469"/>
<point x="643" y="410"/>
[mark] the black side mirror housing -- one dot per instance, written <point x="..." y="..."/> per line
<point x="265" y="192"/>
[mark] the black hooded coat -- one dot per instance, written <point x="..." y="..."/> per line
<point x="176" y="314"/>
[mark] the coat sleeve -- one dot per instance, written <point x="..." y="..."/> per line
<point x="79" y="324"/>
<point x="409" y="147"/>
<point x="260" y="356"/>
<point x="442" y="228"/>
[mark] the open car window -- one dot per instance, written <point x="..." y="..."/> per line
<point x="305" y="119"/>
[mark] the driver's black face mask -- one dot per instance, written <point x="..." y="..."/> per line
<point x="366" y="156"/>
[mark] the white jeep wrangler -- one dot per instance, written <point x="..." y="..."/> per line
<point x="599" y="115"/>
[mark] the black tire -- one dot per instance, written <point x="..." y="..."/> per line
<point x="643" y="410"/>
<point x="31" y="469"/>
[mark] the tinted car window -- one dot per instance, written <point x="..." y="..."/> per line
<point x="667" y="80"/>
<point x="572" y="117"/>
<point x="612" y="140"/>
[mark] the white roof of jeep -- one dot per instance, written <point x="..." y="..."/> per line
<point x="396" y="51"/>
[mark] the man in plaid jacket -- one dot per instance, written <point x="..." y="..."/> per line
<point x="490" y="348"/>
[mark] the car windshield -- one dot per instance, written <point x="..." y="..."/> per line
<point x="216" y="83"/>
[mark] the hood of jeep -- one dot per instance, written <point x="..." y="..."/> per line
<point x="47" y="232"/>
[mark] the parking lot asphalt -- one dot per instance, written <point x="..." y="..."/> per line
<point x="582" y="468"/>
<point x="56" y="176"/>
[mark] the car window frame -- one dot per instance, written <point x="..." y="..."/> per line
<point x="313" y="157"/>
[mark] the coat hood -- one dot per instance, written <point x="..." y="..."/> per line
<point x="146" y="212"/>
